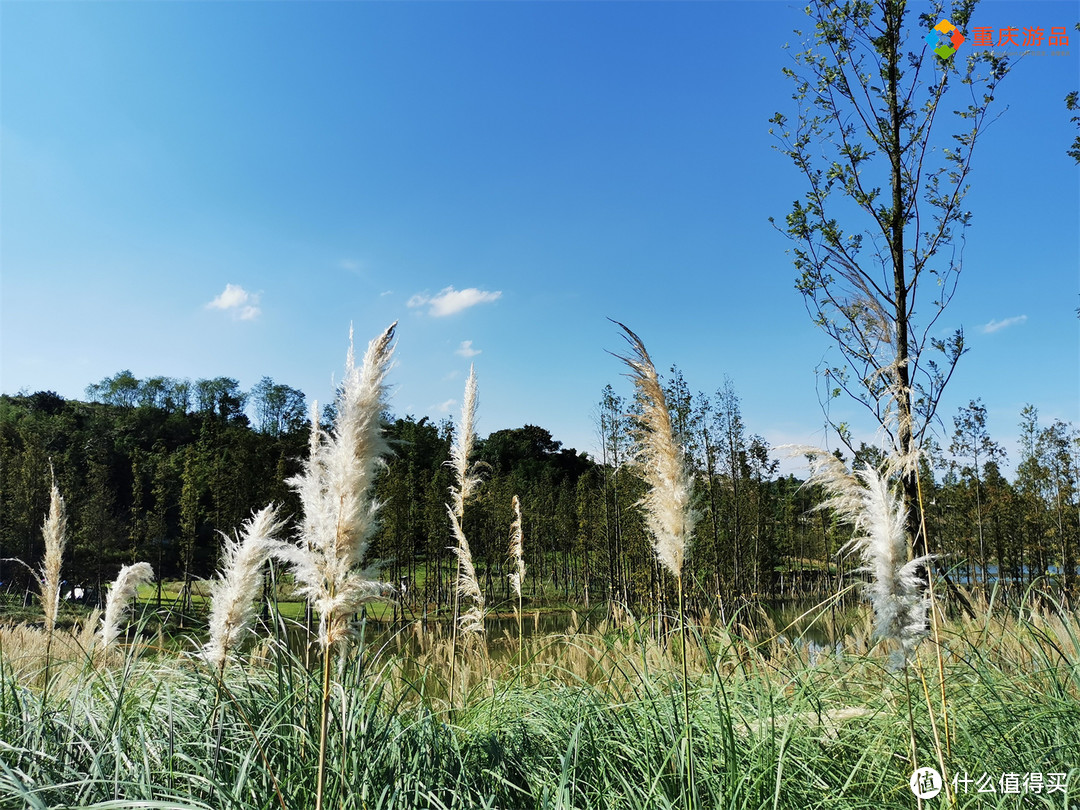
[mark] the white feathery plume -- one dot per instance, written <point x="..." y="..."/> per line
<point x="233" y="595"/>
<point x="668" y="513"/>
<point x="467" y="480"/>
<point x="842" y="488"/>
<point x="54" y="531"/>
<point x="872" y="506"/>
<point x="336" y="490"/>
<point x="517" y="576"/>
<point x="472" y="620"/>
<point x="121" y="593"/>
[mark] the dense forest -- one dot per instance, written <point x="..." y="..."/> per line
<point x="156" y="469"/>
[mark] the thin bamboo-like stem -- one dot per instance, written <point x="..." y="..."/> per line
<point x="323" y="722"/>
<point x="935" y="629"/>
<point x="911" y="729"/>
<point x="933" y="726"/>
<point x="690" y="781"/>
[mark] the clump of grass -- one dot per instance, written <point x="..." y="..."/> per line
<point x="589" y="724"/>
<point x="234" y="594"/>
<point x="123" y="591"/>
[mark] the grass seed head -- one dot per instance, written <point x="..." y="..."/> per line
<point x="336" y="491"/>
<point x="55" y="532"/>
<point x="123" y="591"/>
<point x="472" y="620"/>
<point x="868" y="502"/>
<point x="668" y="511"/>
<point x="517" y="576"/>
<point x="234" y="594"/>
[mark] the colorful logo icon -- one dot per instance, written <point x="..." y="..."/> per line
<point x="945" y="38"/>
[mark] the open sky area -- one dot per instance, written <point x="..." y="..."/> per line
<point x="200" y="189"/>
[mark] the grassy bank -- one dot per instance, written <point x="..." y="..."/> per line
<point x="590" y="720"/>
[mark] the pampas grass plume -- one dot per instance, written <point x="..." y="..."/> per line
<point x="872" y="506"/>
<point x="336" y="488"/>
<point x="121" y="593"/>
<point x="517" y="576"/>
<point x="667" y="504"/>
<point x="233" y="596"/>
<point x="472" y="620"/>
<point x="467" y="480"/>
<point x="54" y="531"/>
<point x="467" y="585"/>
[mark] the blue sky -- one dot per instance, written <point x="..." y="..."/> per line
<point x="501" y="178"/>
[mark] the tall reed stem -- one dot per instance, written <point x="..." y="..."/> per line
<point x="690" y="781"/>
<point x="667" y="507"/>
<point x="323" y="720"/>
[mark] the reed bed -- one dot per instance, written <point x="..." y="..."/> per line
<point x="591" y="719"/>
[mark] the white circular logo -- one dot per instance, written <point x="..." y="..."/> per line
<point x="925" y="783"/>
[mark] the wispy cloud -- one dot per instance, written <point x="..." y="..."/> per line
<point x="466" y="349"/>
<point x="352" y="265"/>
<point x="450" y="301"/>
<point x="997" y="326"/>
<point x="235" y="299"/>
<point x="444" y="407"/>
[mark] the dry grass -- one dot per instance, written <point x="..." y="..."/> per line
<point x="25" y="649"/>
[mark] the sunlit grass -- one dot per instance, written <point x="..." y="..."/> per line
<point x="592" y="719"/>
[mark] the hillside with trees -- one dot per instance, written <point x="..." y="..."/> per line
<point x="157" y="469"/>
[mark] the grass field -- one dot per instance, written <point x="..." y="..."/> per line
<point x="590" y="719"/>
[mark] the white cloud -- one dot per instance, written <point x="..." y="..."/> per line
<point x="235" y="299"/>
<point x="445" y="407"/>
<point x="352" y="265"/>
<point x="466" y="349"/>
<point x="450" y="301"/>
<point x="386" y="293"/>
<point x="996" y="326"/>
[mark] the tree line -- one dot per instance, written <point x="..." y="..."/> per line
<point x="156" y="469"/>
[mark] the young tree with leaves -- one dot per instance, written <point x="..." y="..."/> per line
<point x="878" y="235"/>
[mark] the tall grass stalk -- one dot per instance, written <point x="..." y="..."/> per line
<point x="517" y="555"/>
<point x="54" y="531"/>
<point x="465" y="582"/>
<point x="124" y="589"/>
<point x="667" y="503"/>
<point x="340" y="510"/>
